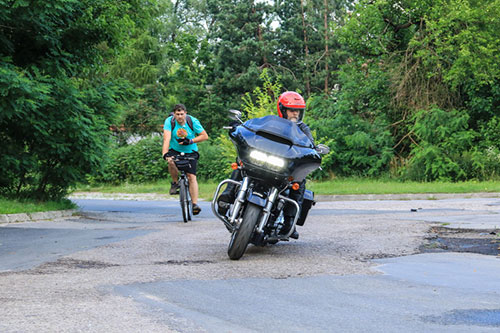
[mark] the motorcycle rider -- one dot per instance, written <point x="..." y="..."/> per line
<point x="291" y="105"/>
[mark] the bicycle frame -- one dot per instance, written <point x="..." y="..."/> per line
<point x="184" y="194"/>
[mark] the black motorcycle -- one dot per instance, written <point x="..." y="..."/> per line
<point x="274" y="156"/>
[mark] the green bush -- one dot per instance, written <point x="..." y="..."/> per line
<point x="139" y="162"/>
<point x="359" y="146"/>
<point x="448" y="150"/>
<point x="213" y="163"/>
<point x="142" y="162"/>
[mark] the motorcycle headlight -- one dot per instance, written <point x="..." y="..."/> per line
<point x="271" y="161"/>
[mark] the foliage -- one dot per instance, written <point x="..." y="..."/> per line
<point x="215" y="161"/>
<point x="262" y="101"/>
<point x="309" y="52"/>
<point x="446" y="149"/>
<point x="137" y="162"/>
<point x="56" y="108"/>
<point x="245" y="45"/>
<point x="359" y="146"/>
<point x="142" y="162"/>
<point x="144" y="115"/>
<point x="428" y="56"/>
<point x="377" y="76"/>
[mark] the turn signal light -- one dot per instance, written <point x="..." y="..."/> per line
<point x="234" y="166"/>
<point x="295" y="186"/>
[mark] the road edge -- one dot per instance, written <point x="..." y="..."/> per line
<point x="37" y="216"/>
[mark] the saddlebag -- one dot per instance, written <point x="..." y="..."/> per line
<point x="183" y="165"/>
<point x="306" y="205"/>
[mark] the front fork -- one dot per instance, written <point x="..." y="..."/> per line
<point x="240" y="199"/>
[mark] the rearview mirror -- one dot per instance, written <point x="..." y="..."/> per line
<point x="235" y="115"/>
<point x="322" y="149"/>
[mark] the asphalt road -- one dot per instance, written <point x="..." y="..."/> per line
<point x="359" y="266"/>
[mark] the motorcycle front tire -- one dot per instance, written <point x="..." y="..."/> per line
<point x="241" y="237"/>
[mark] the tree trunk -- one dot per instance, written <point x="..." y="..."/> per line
<point x="261" y="41"/>
<point x="176" y="6"/>
<point x="306" y="50"/>
<point x="327" y="56"/>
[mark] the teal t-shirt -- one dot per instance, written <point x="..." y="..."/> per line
<point x="178" y="131"/>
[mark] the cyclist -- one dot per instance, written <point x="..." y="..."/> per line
<point x="181" y="133"/>
<point x="291" y="106"/>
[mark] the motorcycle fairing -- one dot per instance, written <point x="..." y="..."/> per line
<point x="278" y="137"/>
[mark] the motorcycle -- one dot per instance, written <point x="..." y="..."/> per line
<point x="273" y="157"/>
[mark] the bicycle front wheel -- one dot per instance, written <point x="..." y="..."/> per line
<point x="189" y="202"/>
<point x="184" y="200"/>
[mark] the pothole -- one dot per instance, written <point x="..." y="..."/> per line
<point x="69" y="263"/>
<point x="462" y="240"/>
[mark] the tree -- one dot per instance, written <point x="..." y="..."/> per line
<point x="56" y="104"/>
<point x="425" y="55"/>
<point x="243" y="45"/>
<point x="308" y="50"/>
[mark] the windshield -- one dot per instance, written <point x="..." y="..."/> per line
<point x="279" y="127"/>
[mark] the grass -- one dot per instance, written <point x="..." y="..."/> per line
<point x="336" y="186"/>
<point x="374" y="186"/>
<point x="206" y="189"/>
<point x="11" y="206"/>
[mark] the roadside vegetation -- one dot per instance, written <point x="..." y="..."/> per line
<point x="13" y="206"/>
<point x="331" y="187"/>
<point x="375" y="186"/>
<point x="407" y="91"/>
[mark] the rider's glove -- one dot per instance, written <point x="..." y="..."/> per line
<point x="185" y="141"/>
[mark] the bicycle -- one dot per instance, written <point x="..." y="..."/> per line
<point x="182" y="163"/>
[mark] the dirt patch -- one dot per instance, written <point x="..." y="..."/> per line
<point x="183" y="262"/>
<point x="66" y="264"/>
<point x="443" y="239"/>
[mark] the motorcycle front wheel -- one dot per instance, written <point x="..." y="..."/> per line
<point x="241" y="236"/>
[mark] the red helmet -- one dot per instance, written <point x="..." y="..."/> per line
<point x="291" y="100"/>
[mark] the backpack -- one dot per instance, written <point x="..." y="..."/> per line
<point x="189" y="121"/>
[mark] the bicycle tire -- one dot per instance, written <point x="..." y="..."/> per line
<point x="183" y="193"/>
<point x="189" y="201"/>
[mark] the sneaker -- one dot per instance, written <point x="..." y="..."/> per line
<point x="174" y="188"/>
<point x="196" y="209"/>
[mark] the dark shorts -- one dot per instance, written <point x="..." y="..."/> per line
<point x="188" y="166"/>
